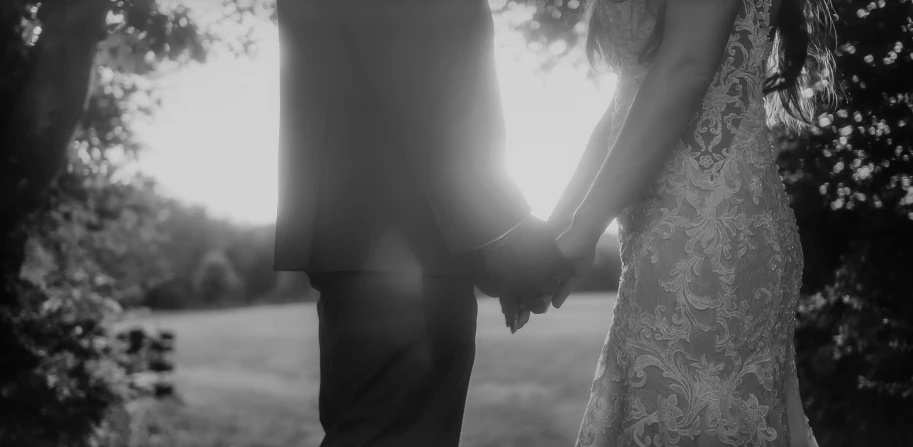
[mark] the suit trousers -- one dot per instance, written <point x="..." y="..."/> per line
<point x="396" y="354"/>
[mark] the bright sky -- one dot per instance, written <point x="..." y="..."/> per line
<point x="215" y="140"/>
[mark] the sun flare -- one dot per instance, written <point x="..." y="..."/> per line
<point x="215" y="140"/>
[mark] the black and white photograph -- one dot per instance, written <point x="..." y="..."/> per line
<point x="456" y="223"/>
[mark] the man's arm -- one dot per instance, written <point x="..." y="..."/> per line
<point x="469" y="188"/>
<point x="526" y="263"/>
<point x="501" y="240"/>
<point x="431" y="64"/>
<point x="522" y="269"/>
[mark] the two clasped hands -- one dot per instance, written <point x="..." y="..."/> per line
<point x="534" y="267"/>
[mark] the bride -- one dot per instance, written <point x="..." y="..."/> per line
<point x="700" y="352"/>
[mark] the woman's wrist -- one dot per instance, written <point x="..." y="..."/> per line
<point x="559" y="224"/>
<point x="585" y="231"/>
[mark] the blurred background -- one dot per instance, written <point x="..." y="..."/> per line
<point x="139" y="306"/>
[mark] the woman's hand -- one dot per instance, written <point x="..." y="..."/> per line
<point x="579" y="247"/>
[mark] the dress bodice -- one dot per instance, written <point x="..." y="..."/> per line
<point x="737" y="88"/>
<point x="728" y="133"/>
<point x="629" y="25"/>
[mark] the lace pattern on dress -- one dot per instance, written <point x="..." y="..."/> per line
<point x="700" y="350"/>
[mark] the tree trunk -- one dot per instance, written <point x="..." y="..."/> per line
<point x="48" y="101"/>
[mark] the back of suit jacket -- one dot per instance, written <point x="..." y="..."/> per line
<point x="391" y="155"/>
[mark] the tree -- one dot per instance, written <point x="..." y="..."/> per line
<point x="58" y="381"/>
<point x="80" y="234"/>
<point x="43" y="90"/>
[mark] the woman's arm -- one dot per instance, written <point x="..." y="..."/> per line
<point x="696" y="33"/>
<point x="590" y="162"/>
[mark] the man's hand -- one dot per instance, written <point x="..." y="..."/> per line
<point x="517" y="310"/>
<point x="523" y="271"/>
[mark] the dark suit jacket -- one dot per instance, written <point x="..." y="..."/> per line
<point x="392" y="136"/>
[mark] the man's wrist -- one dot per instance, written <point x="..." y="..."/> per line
<point x="502" y="240"/>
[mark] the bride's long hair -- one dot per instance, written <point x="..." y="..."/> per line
<point x="800" y="68"/>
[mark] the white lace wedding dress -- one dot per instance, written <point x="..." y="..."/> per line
<point x="700" y="352"/>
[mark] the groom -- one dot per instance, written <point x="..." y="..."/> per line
<point x="394" y="200"/>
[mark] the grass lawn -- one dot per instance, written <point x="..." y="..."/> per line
<point x="248" y="377"/>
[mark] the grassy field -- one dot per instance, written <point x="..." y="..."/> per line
<point x="248" y="377"/>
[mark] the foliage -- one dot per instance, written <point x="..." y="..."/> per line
<point x="61" y="377"/>
<point x="233" y="261"/>
<point x="54" y="392"/>
<point x="59" y="381"/>
<point x="82" y="241"/>
<point x="55" y="384"/>
<point x="850" y="180"/>
<point x="552" y="28"/>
